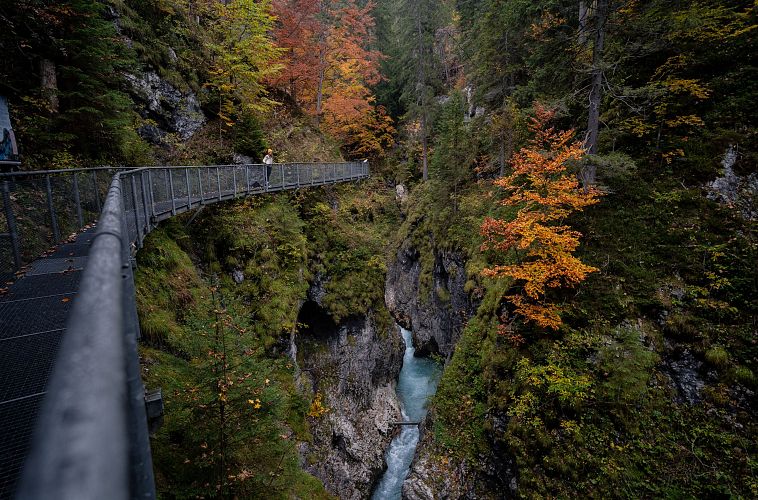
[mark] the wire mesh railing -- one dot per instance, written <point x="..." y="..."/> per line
<point x="39" y="210"/>
<point x="91" y="439"/>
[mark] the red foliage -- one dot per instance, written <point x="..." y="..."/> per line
<point x="330" y="67"/>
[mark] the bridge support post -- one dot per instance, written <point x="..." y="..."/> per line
<point x="218" y="181"/>
<point x="97" y="190"/>
<point x="12" y="229"/>
<point x="136" y="211"/>
<point x="152" y="199"/>
<point x="51" y="209"/>
<point x="145" y="201"/>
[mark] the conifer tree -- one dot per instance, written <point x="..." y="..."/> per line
<point x="62" y="72"/>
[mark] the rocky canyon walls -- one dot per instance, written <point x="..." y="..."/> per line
<point x="351" y="368"/>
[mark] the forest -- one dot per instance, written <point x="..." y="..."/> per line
<point x="562" y="210"/>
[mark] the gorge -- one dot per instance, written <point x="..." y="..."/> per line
<point x="558" y="237"/>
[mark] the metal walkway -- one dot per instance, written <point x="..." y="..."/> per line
<point x="72" y="414"/>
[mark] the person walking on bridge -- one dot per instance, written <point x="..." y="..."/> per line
<point x="268" y="160"/>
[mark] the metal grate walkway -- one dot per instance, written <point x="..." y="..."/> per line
<point x="33" y="313"/>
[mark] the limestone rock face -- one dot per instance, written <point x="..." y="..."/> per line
<point x="737" y="191"/>
<point x="401" y="193"/>
<point x="354" y="366"/>
<point x="435" y="477"/>
<point x="172" y="110"/>
<point x="684" y="370"/>
<point x="436" y="319"/>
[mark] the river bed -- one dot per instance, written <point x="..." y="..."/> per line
<point x="416" y="383"/>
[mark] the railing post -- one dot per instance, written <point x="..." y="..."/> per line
<point x="150" y="190"/>
<point x="297" y="169"/>
<point x="97" y="190"/>
<point x="78" y="202"/>
<point x="247" y="179"/>
<point x="313" y="181"/>
<point x="218" y="181"/>
<point x="265" y="177"/>
<point x="144" y="202"/>
<point x="134" y="204"/>
<point x="334" y="173"/>
<point x="234" y="180"/>
<point x="12" y="229"/>
<point x="200" y="183"/>
<point x="281" y="171"/>
<point x="51" y="209"/>
<point x="171" y="191"/>
<point x="189" y="189"/>
<point x="166" y="188"/>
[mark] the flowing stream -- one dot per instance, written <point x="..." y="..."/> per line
<point x="416" y="384"/>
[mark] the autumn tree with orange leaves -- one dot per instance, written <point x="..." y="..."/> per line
<point x="330" y="66"/>
<point x="544" y="193"/>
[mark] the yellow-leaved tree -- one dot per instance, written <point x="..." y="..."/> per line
<point x="244" y="54"/>
<point x="545" y="193"/>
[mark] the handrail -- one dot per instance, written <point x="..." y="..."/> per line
<point x="28" y="173"/>
<point x="81" y="446"/>
<point x="91" y="440"/>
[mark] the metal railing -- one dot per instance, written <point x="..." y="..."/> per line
<point x="40" y="209"/>
<point x="91" y="439"/>
<point x="43" y="208"/>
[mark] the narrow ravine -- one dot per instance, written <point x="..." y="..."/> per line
<point x="417" y="382"/>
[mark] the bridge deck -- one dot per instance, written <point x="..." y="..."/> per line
<point x="33" y="313"/>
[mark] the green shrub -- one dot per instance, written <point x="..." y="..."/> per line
<point x="744" y="375"/>
<point x="717" y="356"/>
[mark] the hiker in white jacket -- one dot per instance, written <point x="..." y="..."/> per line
<point x="268" y="160"/>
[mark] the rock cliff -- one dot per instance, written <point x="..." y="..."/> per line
<point x="353" y="366"/>
<point x="434" y="477"/>
<point x="434" y="318"/>
<point x="167" y="109"/>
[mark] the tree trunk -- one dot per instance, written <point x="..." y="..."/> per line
<point x="322" y="48"/>
<point x="421" y="90"/>
<point x="49" y="84"/>
<point x="502" y="155"/>
<point x="321" y="76"/>
<point x="583" y="11"/>
<point x="320" y="93"/>
<point x="425" y="163"/>
<point x="596" y="90"/>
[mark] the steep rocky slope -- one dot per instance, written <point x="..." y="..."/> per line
<point x="352" y="367"/>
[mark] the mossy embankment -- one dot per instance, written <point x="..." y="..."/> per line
<point x="219" y="348"/>
<point x="648" y="387"/>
